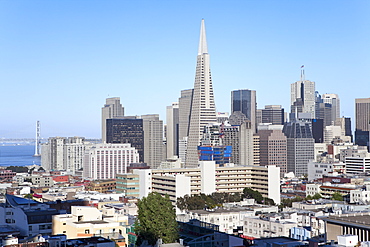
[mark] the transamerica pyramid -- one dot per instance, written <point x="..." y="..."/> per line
<point x="203" y="110"/>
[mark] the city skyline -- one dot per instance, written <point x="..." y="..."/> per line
<point x="61" y="60"/>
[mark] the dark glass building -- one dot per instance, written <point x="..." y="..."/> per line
<point x="244" y="100"/>
<point x="318" y="130"/>
<point x="127" y="130"/>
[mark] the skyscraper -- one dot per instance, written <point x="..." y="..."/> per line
<point x="300" y="146"/>
<point x="244" y="100"/>
<point x="153" y="140"/>
<point x="203" y="110"/>
<point x="184" y="119"/>
<point x="273" y="146"/>
<point x="172" y="133"/>
<point x="302" y="97"/>
<point x="111" y="109"/>
<point x="127" y="130"/>
<point x="334" y="101"/>
<point x="273" y="114"/>
<point x="362" y="121"/>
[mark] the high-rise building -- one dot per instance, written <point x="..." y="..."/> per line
<point x="111" y="109"/>
<point x="203" y="110"/>
<point x="302" y="97"/>
<point x="362" y="121"/>
<point x="334" y="101"/>
<point x="273" y="146"/>
<point x="244" y="100"/>
<point x="345" y="124"/>
<point x="61" y="153"/>
<point x="184" y="119"/>
<point x="300" y="146"/>
<point x="172" y="132"/>
<point x="273" y="114"/>
<point x="153" y="140"/>
<point x="127" y="130"/>
<point x="105" y="161"/>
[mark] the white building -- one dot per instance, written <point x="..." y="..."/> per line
<point x="104" y="161"/>
<point x="356" y="165"/>
<point x="208" y="179"/>
<point x="203" y="109"/>
<point x="361" y="196"/>
<point x="268" y="226"/>
<point x="61" y="153"/>
<point x="304" y="90"/>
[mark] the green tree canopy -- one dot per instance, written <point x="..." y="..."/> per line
<point x="252" y="194"/>
<point x="156" y="219"/>
<point x="337" y="196"/>
<point x="316" y="196"/>
<point x="19" y="169"/>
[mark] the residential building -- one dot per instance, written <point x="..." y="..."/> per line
<point x="361" y="195"/>
<point x="61" y="153"/>
<point x="273" y="225"/>
<point x="208" y="178"/>
<point x="203" y="110"/>
<point x="89" y="221"/>
<point x="102" y="186"/>
<point x="244" y="100"/>
<point x="104" y="161"/>
<point x="27" y="216"/>
<point x="229" y="219"/>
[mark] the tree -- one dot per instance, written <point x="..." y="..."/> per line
<point x="316" y="196"/>
<point x="337" y="196"/>
<point x="309" y="197"/>
<point x="253" y="194"/>
<point x="156" y="219"/>
<point x="18" y="169"/>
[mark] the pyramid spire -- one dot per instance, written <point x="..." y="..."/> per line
<point x="203" y="49"/>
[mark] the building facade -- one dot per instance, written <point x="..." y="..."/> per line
<point x="127" y="130"/>
<point x="61" y="153"/>
<point x="104" y="161"/>
<point x="273" y="114"/>
<point x="362" y="111"/>
<point x="111" y="109"/>
<point x="153" y="140"/>
<point x="300" y="146"/>
<point x="244" y="100"/>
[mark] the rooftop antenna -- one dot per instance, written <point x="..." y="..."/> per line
<point x="302" y="74"/>
<point x="37" y="141"/>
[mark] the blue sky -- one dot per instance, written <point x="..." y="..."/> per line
<point x="60" y="60"/>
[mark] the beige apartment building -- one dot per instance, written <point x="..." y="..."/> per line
<point x="87" y="221"/>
